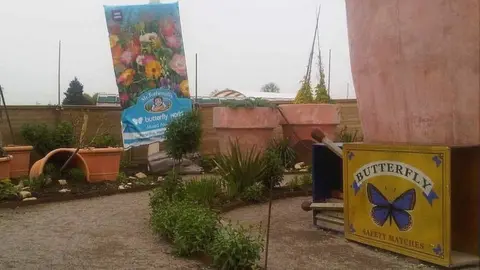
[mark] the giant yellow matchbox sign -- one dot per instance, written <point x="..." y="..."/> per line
<point x="397" y="198"/>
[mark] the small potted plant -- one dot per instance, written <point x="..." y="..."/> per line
<point x="5" y="162"/>
<point x="103" y="157"/>
<point x="248" y="122"/>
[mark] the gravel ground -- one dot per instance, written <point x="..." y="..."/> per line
<point x="110" y="232"/>
<point x="113" y="233"/>
<point x="296" y="244"/>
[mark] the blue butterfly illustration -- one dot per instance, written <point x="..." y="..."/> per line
<point x="396" y="210"/>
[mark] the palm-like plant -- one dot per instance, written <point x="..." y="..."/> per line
<point x="240" y="169"/>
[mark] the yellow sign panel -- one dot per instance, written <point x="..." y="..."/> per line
<point x="397" y="198"/>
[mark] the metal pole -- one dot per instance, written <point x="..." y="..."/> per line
<point x="59" y="61"/>
<point x="265" y="267"/>
<point x="6" y="113"/>
<point x="196" y="78"/>
<point x="329" y="65"/>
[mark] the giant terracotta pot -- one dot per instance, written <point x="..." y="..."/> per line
<point x="20" y="164"/>
<point x="415" y="66"/>
<point x="250" y="127"/>
<point x="299" y="120"/>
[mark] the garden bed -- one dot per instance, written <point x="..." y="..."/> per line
<point x="88" y="190"/>
<point x="51" y="195"/>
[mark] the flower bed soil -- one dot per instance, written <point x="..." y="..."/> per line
<point x="77" y="191"/>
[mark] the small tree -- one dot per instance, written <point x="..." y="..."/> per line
<point x="183" y="135"/>
<point x="271" y="87"/>
<point x="74" y="94"/>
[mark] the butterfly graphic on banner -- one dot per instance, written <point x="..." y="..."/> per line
<point x="383" y="209"/>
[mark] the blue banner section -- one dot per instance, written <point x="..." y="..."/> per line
<point x="145" y="122"/>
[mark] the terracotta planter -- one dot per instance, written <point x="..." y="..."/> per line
<point x="60" y="154"/>
<point x="250" y="126"/>
<point x="5" y="167"/>
<point x="20" y="164"/>
<point x="415" y="66"/>
<point x="103" y="163"/>
<point x="301" y="119"/>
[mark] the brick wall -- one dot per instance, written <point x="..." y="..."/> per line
<point x="110" y="117"/>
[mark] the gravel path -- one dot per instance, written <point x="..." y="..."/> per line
<point x="296" y="244"/>
<point x="113" y="233"/>
<point x="110" y="232"/>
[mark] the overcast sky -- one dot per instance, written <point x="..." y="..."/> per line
<point x="241" y="45"/>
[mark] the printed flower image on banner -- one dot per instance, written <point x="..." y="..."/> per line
<point x="150" y="69"/>
<point x="147" y="48"/>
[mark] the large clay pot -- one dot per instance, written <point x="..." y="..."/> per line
<point x="299" y="120"/>
<point x="20" y="164"/>
<point x="249" y="126"/>
<point x="5" y="167"/>
<point x="103" y="163"/>
<point x="60" y="154"/>
<point x="415" y="66"/>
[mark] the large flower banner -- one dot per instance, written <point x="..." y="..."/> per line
<point x="150" y="69"/>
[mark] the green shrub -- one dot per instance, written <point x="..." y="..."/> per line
<point x="165" y="214"/>
<point x="39" y="136"/>
<point x="51" y="170"/>
<point x="104" y="141"/>
<point x="207" y="163"/>
<point x="44" y="139"/>
<point x="36" y="183"/>
<point x="7" y="190"/>
<point x="283" y="149"/>
<point x="235" y="248"/>
<point x="183" y="135"/>
<point x="173" y="185"/>
<point x="240" y="169"/>
<point x="63" y="135"/>
<point x="253" y="193"/>
<point x="306" y="180"/>
<point x="248" y="103"/>
<point x="273" y="174"/>
<point x="76" y="174"/>
<point x="295" y="183"/>
<point x="346" y="136"/>
<point x="190" y="226"/>
<point x="158" y="198"/>
<point x="203" y="191"/>
<point x="195" y="228"/>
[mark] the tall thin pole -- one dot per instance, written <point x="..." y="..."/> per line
<point x="329" y="65"/>
<point x="6" y="113"/>
<point x="59" y="61"/>
<point x="196" y="78"/>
